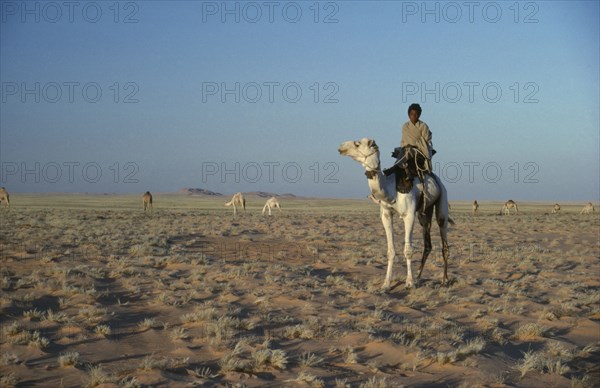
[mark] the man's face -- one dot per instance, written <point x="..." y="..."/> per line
<point x="413" y="115"/>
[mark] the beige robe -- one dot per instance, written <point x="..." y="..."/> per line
<point x="417" y="135"/>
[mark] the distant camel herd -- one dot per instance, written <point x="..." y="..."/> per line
<point x="237" y="200"/>
<point x="510" y="204"/>
<point x="272" y="203"/>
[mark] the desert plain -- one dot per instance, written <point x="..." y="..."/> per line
<point x="95" y="292"/>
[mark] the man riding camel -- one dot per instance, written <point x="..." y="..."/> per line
<point x="416" y="134"/>
<point x="415" y="151"/>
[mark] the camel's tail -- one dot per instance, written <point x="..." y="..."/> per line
<point x="442" y="205"/>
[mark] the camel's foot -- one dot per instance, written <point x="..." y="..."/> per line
<point x="410" y="283"/>
<point x="386" y="286"/>
<point x="445" y="282"/>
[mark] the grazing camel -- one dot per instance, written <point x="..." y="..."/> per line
<point x="475" y="207"/>
<point x="147" y="201"/>
<point x="510" y="204"/>
<point x="405" y="203"/>
<point x="271" y="203"/>
<point x="556" y="208"/>
<point x="237" y="199"/>
<point x="4" y="197"/>
<point x="587" y="209"/>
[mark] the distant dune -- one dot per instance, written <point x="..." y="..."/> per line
<point x="196" y="191"/>
<point x="265" y="194"/>
<point x="208" y="193"/>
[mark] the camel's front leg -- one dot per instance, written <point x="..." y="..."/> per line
<point x="388" y="225"/>
<point x="409" y="222"/>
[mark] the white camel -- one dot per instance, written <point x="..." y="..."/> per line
<point x="271" y="203"/>
<point x="4" y="197"/>
<point x="147" y="201"/>
<point x="587" y="209"/>
<point x="475" y="207"/>
<point x="556" y="208"/>
<point x="510" y="204"/>
<point x="237" y="200"/>
<point x="405" y="203"/>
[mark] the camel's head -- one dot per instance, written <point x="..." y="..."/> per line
<point x="364" y="151"/>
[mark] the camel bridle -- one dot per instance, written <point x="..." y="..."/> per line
<point x="371" y="171"/>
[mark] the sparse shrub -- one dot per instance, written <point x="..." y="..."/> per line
<point x="9" y="359"/>
<point x="341" y="383"/>
<point x="103" y="330"/>
<point x="350" y="356"/>
<point x="147" y="324"/>
<point x="310" y="360"/>
<point x="261" y="357"/>
<point x="34" y="314"/>
<point x="202" y="313"/>
<point x="581" y="382"/>
<point x="542" y="363"/>
<point x="278" y="359"/>
<point x="231" y="362"/>
<point x="68" y="359"/>
<point x="529" y="331"/>
<point x="51" y="316"/>
<point x="129" y="382"/>
<point x="375" y="382"/>
<point x="309" y="379"/>
<point x="299" y="331"/>
<point x="474" y="346"/>
<point x="151" y="362"/>
<point x="8" y="380"/>
<point x="98" y="376"/>
<point x="203" y="373"/>
<point x="179" y="333"/>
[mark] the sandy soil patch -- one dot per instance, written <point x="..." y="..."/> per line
<point x="96" y="292"/>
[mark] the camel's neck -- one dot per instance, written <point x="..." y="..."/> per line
<point x="382" y="187"/>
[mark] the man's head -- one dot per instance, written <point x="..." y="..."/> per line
<point x="414" y="112"/>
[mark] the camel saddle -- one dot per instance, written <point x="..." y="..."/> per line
<point x="411" y="164"/>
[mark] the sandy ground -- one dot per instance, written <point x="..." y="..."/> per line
<point x="97" y="293"/>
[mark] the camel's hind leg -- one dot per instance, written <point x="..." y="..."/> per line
<point x="425" y="221"/>
<point x="442" y="216"/>
<point x="443" y="224"/>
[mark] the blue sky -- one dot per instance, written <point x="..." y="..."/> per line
<point x="133" y="96"/>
